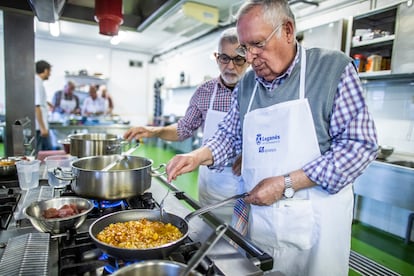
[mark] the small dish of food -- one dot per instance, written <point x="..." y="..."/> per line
<point x="57" y="215"/>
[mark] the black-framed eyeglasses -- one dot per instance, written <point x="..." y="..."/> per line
<point x="225" y="59"/>
<point x="258" y="47"/>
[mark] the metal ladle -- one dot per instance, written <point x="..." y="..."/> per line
<point x="122" y="158"/>
<point x="162" y="211"/>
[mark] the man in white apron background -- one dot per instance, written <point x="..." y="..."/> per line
<point x="43" y="71"/>
<point x="306" y="134"/>
<point x="207" y="107"/>
<point x="65" y="102"/>
<point x="93" y="105"/>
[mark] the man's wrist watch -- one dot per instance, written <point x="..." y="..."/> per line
<point x="289" y="191"/>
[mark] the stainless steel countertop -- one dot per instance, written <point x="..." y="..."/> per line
<point x="226" y="257"/>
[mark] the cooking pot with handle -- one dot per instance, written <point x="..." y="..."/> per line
<point x="130" y="177"/>
<point x="93" y="144"/>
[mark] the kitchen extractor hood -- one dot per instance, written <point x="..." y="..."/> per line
<point x="185" y="20"/>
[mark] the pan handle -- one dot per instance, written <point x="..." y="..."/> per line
<point x="155" y="172"/>
<point x="122" y="143"/>
<point x="205" y="248"/>
<point x="60" y="174"/>
<point x="209" y="207"/>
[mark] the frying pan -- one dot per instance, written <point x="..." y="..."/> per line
<point x="167" y="267"/>
<point x="159" y="252"/>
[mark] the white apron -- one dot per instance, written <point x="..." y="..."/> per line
<point x="67" y="105"/>
<point x="310" y="233"/>
<point x="214" y="186"/>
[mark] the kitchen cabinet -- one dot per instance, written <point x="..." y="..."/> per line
<point x="333" y="34"/>
<point x="403" y="60"/>
<point x="387" y="33"/>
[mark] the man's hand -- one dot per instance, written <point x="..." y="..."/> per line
<point x="267" y="191"/>
<point x="184" y="163"/>
<point x="139" y="132"/>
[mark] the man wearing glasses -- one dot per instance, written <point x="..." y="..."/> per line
<point x="208" y="105"/>
<point x="306" y="134"/>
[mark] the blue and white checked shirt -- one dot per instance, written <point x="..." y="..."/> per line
<point x="352" y="129"/>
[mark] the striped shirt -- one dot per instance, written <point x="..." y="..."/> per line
<point x="199" y="103"/>
<point x="354" y="139"/>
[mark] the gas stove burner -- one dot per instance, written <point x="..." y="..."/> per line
<point x="113" y="264"/>
<point x="144" y="201"/>
<point x="103" y="204"/>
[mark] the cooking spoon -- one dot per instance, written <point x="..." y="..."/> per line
<point x="117" y="161"/>
<point x="162" y="211"/>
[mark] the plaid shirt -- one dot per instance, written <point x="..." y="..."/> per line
<point x="197" y="110"/>
<point x="354" y="139"/>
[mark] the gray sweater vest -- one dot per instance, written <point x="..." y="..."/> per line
<point x="324" y="69"/>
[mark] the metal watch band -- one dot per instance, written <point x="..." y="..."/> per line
<point x="289" y="191"/>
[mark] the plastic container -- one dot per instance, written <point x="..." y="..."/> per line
<point x="360" y="61"/>
<point x="373" y="63"/>
<point x="28" y="174"/>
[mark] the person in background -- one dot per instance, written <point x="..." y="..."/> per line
<point x="43" y="69"/>
<point x="305" y="134"/>
<point x="93" y="105"/>
<point x="65" y="102"/>
<point x="207" y="107"/>
<point x="109" y="103"/>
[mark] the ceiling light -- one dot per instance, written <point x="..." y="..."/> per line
<point x="115" y="40"/>
<point x="54" y="28"/>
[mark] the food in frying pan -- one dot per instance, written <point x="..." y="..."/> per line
<point x="139" y="234"/>
<point x="65" y="211"/>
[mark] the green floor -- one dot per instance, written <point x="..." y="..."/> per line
<point x="160" y="155"/>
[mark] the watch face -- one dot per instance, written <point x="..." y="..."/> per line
<point x="289" y="192"/>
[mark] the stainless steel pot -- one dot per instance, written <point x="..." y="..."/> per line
<point x="130" y="177"/>
<point x="93" y="144"/>
<point x="159" y="252"/>
<point x="154" y="268"/>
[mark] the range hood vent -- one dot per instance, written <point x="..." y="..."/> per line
<point x="187" y="20"/>
<point x="47" y="10"/>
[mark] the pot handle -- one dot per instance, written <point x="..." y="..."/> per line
<point x="155" y="172"/>
<point x="209" y="207"/>
<point x="59" y="173"/>
<point x="205" y="248"/>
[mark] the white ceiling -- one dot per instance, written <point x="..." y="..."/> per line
<point x="153" y="40"/>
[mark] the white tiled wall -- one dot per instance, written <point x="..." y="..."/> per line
<point x="392" y="106"/>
